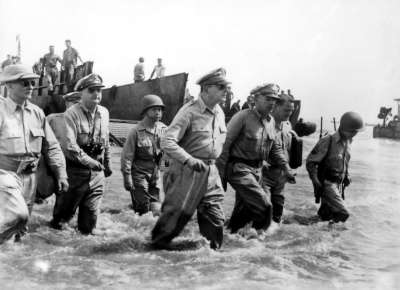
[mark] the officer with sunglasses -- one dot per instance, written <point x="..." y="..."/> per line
<point x="24" y="135"/>
<point x="250" y="141"/>
<point x="193" y="141"/>
<point x="87" y="151"/>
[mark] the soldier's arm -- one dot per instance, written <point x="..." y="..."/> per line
<point x="128" y="153"/>
<point x="70" y="146"/>
<point x="316" y="155"/>
<point x="173" y="134"/>
<point x="277" y="154"/>
<point x="234" y="128"/>
<point x="52" y="152"/>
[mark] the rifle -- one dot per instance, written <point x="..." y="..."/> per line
<point x="320" y="129"/>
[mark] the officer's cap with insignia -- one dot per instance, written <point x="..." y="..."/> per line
<point x="268" y="90"/>
<point x="89" y="81"/>
<point x="72" y="97"/>
<point x="215" y="77"/>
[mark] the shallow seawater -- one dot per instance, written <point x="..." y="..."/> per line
<point x="363" y="253"/>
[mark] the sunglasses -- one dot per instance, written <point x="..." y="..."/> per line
<point x="26" y="83"/>
<point x="221" y="87"/>
<point x="94" y="89"/>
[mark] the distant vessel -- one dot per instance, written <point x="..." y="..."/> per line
<point x="389" y="129"/>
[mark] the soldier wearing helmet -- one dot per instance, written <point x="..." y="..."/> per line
<point x="327" y="166"/>
<point x="141" y="156"/>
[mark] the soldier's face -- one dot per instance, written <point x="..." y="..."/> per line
<point x="264" y="104"/>
<point x="285" y="110"/>
<point x="22" y="89"/>
<point x="155" y="113"/>
<point x="91" y="96"/>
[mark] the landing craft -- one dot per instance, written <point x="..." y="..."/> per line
<point x="389" y="129"/>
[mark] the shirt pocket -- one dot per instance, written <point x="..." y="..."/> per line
<point x="83" y="134"/>
<point x="13" y="140"/>
<point x="251" y="142"/>
<point x="144" y="147"/>
<point x="37" y="135"/>
<point x="201" y="130"/>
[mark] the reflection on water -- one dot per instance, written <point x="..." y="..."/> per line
<point x="364" y="253"/>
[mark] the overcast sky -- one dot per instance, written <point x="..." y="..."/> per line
<point x="334" y="55"/>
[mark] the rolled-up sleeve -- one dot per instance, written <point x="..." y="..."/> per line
<point x="128" y="152"/>
<point x="316" y="155"/>
<point x="173" y="134"/>
<point x="52" y="152"/>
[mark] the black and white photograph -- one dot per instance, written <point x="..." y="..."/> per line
<point x="199" y="144"/>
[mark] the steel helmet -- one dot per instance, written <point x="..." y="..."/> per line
<point x="351" y="121"/>
<point x="151" y="101"/>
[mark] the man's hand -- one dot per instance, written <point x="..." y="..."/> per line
<point x="346" y="181"/>
<point x="290" y="176"/>
<point x="317" y="189"/>
<point x="196" y="164"/>
<point x="128" y="183"/>
<point x="97" y="166"/>
<point x="107" y="171"/>
<point x="62" y="185"/>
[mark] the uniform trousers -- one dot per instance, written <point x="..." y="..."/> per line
<point x="85" y="191"/>
<point x="186" y="191"/>
<point x="252" y="200"/>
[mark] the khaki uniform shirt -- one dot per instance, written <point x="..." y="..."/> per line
<point x="24" y="132"/>
<point x="57" y="123"/>
<point x="196" y="131"/>
<point x="338" y="158"/>
<point x="81" y="127"/>
<point x="284" y="138"/>
<point x="70" y="57"/>
<point x="139" y="147"/>
<point x="251" y="137"/>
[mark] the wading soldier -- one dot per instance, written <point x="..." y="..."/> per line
<point x="274" y="177"/>
<point x="141" y="156"/>
<point x="193" y="141"/>
<point x="87" y="151"/>
<point x="250" y="141"/>
<point x="25" y="134"/>
<point x="328" y="164"/>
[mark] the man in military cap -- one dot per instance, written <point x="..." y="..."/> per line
<point x="141" y="157"/>
<point x="250" y="141"/>
<point x="274" y="178"/>
<point x="193" y="141"/>
<point x="50" y="60"/>
<point x="328" y="164"/>
<point x="87" y="151"/>
<point x="46" y="186"/>
<point x="25" y="133"/>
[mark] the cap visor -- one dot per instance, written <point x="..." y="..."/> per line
<point x="29" y="76"/>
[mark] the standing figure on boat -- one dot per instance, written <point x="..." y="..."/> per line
<point x="138" y="72"/>
<point x="87" y="151"/>
<point x="69" y="63"/>
<point x="159" y="70"/>
<point x="328" y="165"/>
<point x="50" y="60"/>
<point x="141" y="157"/>
<point x="250" y="141"/>
<point x="193" y="142"/>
